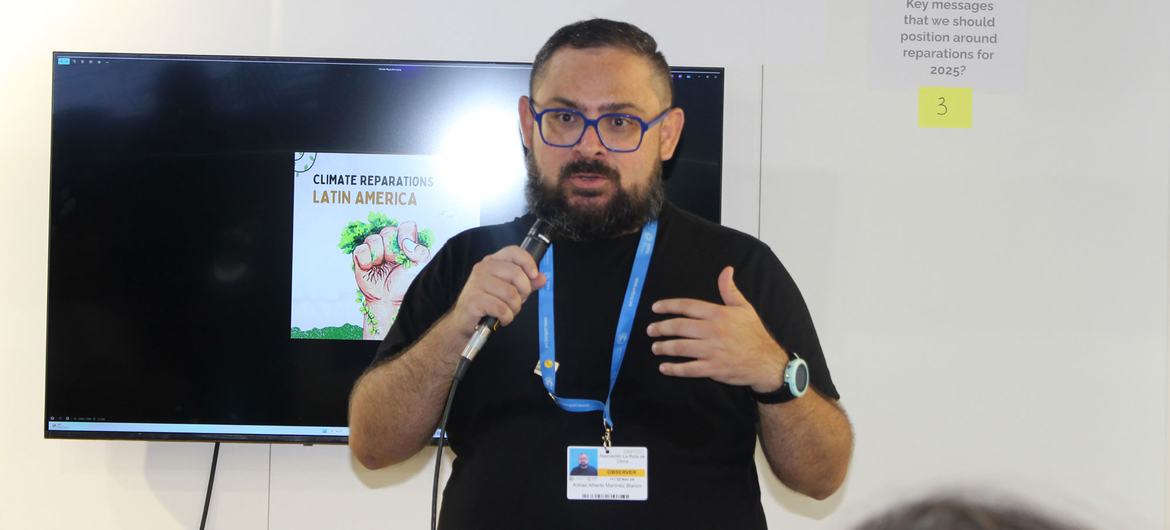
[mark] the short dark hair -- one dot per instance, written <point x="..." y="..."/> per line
<point x="955" y="513"/>
<point x="601" y="33"/>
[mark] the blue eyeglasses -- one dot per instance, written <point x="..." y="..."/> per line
<point x="620" y="133"/>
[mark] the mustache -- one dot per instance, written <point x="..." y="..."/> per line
<point x="626" y="211"/>
<point x="588" y="166"/>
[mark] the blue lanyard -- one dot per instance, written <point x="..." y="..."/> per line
<point x="548" y="345"/>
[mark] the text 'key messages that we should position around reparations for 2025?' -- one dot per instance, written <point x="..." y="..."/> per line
<point x="972" y="44"/>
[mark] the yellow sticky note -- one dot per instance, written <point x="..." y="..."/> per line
<point x="944" y="107"/>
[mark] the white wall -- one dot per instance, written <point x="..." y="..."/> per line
<point x="994" y="298"/>
<point x="968" y="285"/>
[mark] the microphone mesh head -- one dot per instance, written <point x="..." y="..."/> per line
<point x="542" y="229"/>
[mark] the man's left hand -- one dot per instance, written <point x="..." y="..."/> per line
<point x="728" y="342"/>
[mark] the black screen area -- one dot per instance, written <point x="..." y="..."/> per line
<point x="171" y="228"/>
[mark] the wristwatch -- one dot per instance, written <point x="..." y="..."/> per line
<point x="795" y="383"/>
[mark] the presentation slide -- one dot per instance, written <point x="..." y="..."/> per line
<point x="364" y="225"/>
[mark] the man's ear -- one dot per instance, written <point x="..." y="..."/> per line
<point x="526" y="121"/>
<point x="672" y="126"/>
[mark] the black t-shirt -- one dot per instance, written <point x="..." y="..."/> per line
<point x="509" y="437"/>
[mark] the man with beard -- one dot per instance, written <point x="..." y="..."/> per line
<point x="664" y="339"/>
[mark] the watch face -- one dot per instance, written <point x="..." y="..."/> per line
<point x="801" y="377"/>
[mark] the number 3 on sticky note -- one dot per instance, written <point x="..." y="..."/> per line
<point x="944" y="107"/>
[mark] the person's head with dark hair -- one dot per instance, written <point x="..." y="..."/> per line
<point x="603" y="33"/>
<point x="953" y="513"/>
<point x="597" y="125"/>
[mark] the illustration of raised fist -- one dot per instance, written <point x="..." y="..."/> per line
<point x="384" y="264"/>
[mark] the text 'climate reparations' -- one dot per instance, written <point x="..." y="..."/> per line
<point x="373" y="180"/>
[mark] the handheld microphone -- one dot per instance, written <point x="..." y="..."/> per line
<point x="535" y="244"/>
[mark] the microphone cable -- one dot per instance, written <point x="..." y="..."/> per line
<point x="442" y="437"/>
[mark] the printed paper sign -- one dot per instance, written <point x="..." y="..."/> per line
<point x="974" y="44"/>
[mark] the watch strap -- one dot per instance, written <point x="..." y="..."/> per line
<point x="780" y="395"/>
<point x="785" y="393"/>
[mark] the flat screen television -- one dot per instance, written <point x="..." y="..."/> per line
<point x="204" y="212"/>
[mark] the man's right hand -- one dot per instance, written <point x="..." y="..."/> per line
<point x="497" y="287"/>
<point x="394" y="408"/>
